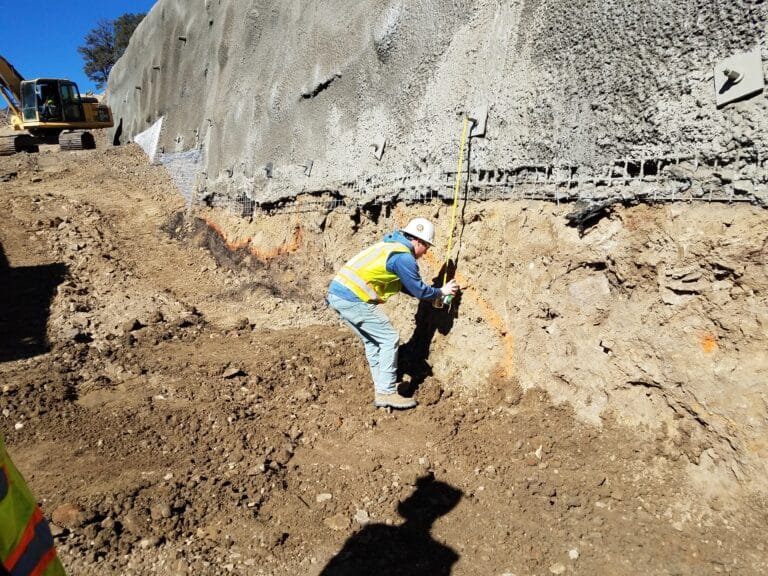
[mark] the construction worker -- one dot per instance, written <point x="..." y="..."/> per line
<point x="26" y="544"/>
<point x="49" y="109"/>
<point x="371" y="278"/>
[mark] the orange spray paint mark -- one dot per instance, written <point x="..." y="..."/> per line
<point x="263" y="254"/>
<point x="709" y="343"/>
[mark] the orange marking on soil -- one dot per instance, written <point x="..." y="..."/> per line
<point x="493" y="318"/>
<point x="709" y="343"/>
<point x="263" y="254"/>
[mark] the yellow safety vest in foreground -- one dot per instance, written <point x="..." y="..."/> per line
<point x="367" y="276"/>
<point x="26" y="544"/>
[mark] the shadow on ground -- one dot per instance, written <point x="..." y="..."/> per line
<point x="25" y="299"/>
<point x="380" y="549"/>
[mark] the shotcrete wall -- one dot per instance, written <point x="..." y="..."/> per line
<point x="285" y="97"/>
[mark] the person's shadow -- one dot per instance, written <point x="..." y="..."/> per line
<point x="414" y="354"/>
<point x="407" y="549"/>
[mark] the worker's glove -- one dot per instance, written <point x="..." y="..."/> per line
<point x="450" y="288"/>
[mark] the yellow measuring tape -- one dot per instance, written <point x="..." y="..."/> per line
<point x="455" y="198"/>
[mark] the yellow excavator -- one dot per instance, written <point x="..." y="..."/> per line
<point x="48" y="111"/>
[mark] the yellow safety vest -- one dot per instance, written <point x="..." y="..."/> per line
<point x="26" y="544"/>
<point x="367" y="276"/>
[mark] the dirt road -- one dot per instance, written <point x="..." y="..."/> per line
<point x="180" y="409"/>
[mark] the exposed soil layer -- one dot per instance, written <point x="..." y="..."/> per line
<point x="184" y="406"/>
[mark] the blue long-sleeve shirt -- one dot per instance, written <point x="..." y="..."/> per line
<point x="404" y="265"/>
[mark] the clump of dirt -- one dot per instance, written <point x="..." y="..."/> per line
<point x="181" y="409"/>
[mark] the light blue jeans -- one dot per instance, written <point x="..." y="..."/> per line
<point x="379" y="337"/>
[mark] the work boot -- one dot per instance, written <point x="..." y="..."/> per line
<point x="393" y="400"/>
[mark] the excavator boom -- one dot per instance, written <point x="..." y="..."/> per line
<point x="10" y="85"/>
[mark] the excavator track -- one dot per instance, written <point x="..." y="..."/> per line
<point x="77" y="141"/>
<point x="17" y="143"/>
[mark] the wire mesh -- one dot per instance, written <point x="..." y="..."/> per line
<point x="646" y="179"/>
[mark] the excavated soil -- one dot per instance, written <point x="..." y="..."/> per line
<point x="184" y="406"/>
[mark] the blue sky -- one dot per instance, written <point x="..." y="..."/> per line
<point x="43" y="41"/>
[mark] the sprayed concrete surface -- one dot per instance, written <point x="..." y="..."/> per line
<point x="264" y="88"/>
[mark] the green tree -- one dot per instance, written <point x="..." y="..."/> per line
<point x="105" y="44"/>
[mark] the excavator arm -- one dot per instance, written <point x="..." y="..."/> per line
<point x="10" y="85"/>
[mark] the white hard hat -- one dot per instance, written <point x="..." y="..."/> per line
<point x="422" y="229"/>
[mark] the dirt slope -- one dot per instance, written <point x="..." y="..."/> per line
<point x="181" y="408"/>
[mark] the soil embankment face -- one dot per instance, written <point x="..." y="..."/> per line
<point x="182" y="403"/>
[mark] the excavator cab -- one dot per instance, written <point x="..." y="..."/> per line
<point x="40" y="101"/>
<point x="54" y="103"/>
